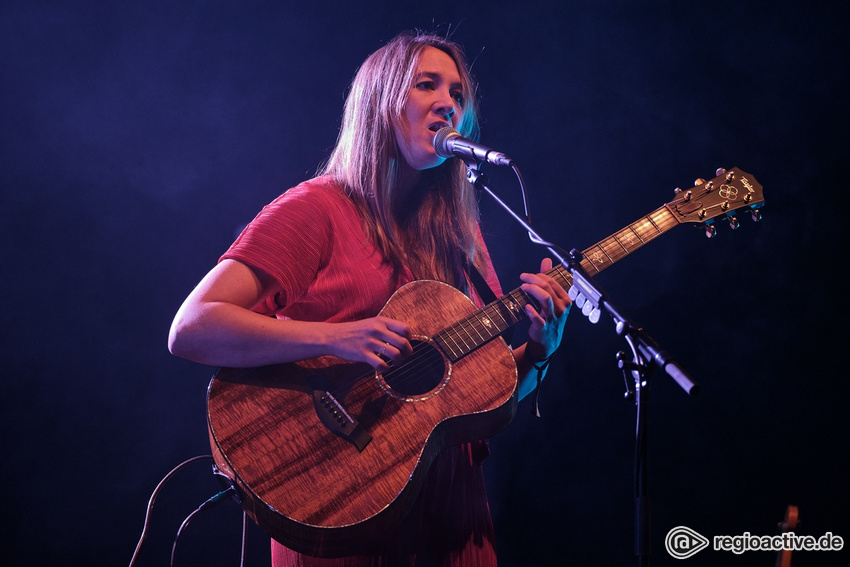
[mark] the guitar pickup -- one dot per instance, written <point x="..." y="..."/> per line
<point x="334" y="416"/>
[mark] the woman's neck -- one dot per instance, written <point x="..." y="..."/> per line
<point x="408" y="195"/>
<point x="408" y="179"/>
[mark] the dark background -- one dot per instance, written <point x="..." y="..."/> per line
<point x="136" y="138"/>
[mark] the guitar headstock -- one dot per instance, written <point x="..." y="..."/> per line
<point x="728" y="194"/>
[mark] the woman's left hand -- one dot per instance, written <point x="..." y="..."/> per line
<point x="547" y="324"/>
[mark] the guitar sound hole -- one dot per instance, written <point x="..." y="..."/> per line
<point x="422" y="372"/>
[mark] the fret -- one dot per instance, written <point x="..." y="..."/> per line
<point x="510" y="310"/>
<point x="524" y="298"/>
<point x="561" y="272"/>
<point x="623" y="246"/>
<point x="596" y="259"/>
<point x="590" y="267"/>
<point x="662" y="219"/>
<point x="476" y="325"/>
<point x="515" y="303"/>
<point x="629" y="239"/>
<point x="450" y="348"/>
<point x="636" y="233"/>
<point x="646" y="229"/>
<point x="601" y="246"/>
<point x="613" y="249"/>
<point x="492" y="321"/>
<point x="494" y="316"/>
<point x="649" y="218"/>
<point x="483" y="326"/>
<point x="460" y="331"/>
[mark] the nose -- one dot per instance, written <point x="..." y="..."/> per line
<point x="446" y="112"/>
<point x="446" y="107"/>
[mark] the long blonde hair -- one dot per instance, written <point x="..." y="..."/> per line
<point x="438" y="238"/>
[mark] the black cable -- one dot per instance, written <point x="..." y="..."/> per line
<point x="155" y="493"/>
<point x="229" y="491"/>
<point x="535" y="238"/>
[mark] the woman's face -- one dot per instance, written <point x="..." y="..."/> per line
<point x="435" y="101"/>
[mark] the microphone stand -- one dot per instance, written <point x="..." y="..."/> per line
<point x="646" y="355"/>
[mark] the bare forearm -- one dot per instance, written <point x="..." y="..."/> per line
<point x="222" y="334"/>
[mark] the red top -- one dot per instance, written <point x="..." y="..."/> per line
<point x="311" y="241"/>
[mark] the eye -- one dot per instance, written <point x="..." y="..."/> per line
<point x="458" y="97"/>
<point x="425" y="85"/>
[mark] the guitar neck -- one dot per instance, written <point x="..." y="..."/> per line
<point x="469" y="333"/>
<point x="623" y="242"/>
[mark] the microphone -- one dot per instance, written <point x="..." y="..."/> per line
<point x="449" y="143"/>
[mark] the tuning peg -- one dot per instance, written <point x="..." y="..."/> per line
<point x="699" y="181"/>
<point x="755" y="214"/>
<point x="710" y="230"/>
<point x="720" y="171"/>
<point x="733" y="221"/>
<point x="687" y="195"/>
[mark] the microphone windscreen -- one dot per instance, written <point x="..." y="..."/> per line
<point x="441" y="141"/>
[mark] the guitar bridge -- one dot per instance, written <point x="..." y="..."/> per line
<point x="334" y="416"/>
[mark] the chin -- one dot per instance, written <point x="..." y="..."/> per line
<point x="432" y="161"/>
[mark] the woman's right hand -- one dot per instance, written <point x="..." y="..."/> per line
<point x="376" y="341"/>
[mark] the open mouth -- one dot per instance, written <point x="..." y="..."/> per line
<point x="437" y="126"/>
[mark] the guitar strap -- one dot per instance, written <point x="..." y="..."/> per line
<point x="486" y="294"/>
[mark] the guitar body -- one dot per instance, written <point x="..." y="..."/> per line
<point x="318" y="492"/>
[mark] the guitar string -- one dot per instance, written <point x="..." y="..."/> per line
<point x="614" y="250"/>
<point x="412" y="371"/>
<point x="415" y="362"/>
<point x="416" y="367"/>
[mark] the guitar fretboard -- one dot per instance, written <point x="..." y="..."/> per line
<point x="623" y="242"/>
<point x="469" y="333"/>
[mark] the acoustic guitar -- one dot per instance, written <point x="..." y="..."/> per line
<point x="327" y="456"/>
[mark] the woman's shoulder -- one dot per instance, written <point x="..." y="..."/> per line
<point x="318" y="189"/>
<point x="317" y="197"/>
